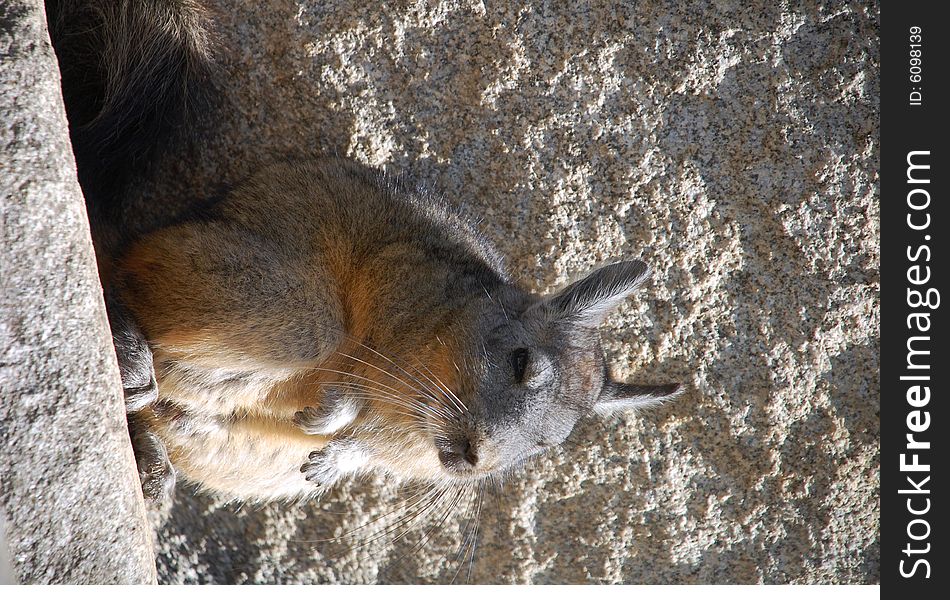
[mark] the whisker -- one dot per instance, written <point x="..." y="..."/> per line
<point x="394" y="391"/>
<point x="416" y="499"/>
<point x="478" y="513"/>
<point x="393" y="363"/>
<point x="445" y="389"/>
<point x="427" y="534"/>
<point x="462" y="553"/>
<point x="376" y="394"/>
<point x="408" y="520"/>
<point x="427" y="393"/>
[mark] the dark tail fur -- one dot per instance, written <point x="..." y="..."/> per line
<point x="132" y="71"/>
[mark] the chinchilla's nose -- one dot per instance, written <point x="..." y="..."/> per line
<point x="458" y="454"/>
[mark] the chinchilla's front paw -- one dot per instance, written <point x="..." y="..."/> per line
<point x="338" y="459"/>
<point x="319" y="469"/>
<point x="333" y="414"/>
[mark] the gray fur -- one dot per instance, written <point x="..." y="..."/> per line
<point x="336" y="411"/>
<point x="155" y="469"/>
<point x="134" y="357"/>
<point x="323" y="298"/>
<point x="618" y="397"/>
<point x="589" y="300"/>
<point x="132" y="70"/>
<point x="265" y="286"/>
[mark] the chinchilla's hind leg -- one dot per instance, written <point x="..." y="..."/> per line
<point x="141" y="391"/>
<point x="134" y="357"/>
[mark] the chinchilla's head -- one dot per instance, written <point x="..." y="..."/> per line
<point x="529" y="369"/>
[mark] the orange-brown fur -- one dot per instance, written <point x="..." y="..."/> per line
<point x="322" y="319"/>
<point x="212" y="323"/>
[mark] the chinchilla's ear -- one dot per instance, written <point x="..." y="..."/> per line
<point x="616" y="396"/>
<point x="588" y="301"/>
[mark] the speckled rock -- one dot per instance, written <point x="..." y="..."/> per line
<point x="733" y="146"/>
<point x="71" y="510"/>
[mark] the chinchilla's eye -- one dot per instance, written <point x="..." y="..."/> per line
<point x="519" y="363"/>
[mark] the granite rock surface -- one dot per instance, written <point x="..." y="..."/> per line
<point x="731" y="145"/>
<point x="71" y="508"/>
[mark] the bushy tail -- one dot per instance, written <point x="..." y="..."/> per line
<point x="132" y="72"/>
